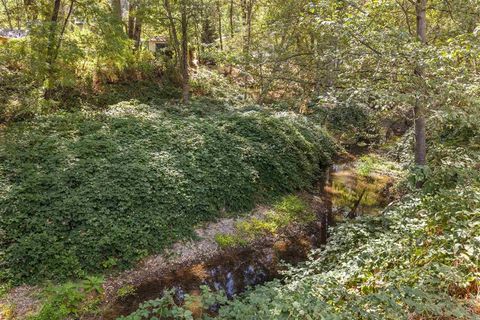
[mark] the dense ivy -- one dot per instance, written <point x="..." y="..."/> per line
<point x="82" y="191"/>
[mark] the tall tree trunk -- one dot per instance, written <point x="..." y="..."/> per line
<point x="137" y="33"/>
<point x="117" y="9"/>
<point x="420" y="130"/>
<point x="52" y="35"/>
<point x="232" y="31"/>
<point x="184" y="62"/>
<point x="173" y="30"/>
<point x="219" y="10"/>
<point x="247" y="26"/>
<point x="62" y="32"/>
<point x="131" y="20"/>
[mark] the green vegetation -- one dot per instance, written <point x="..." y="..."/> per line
<point x="124" y="124"/>
<point x="420" y="259"/>
<point x="70" y="299"/>
<point x="288" y="210"/>
<point x="125" y="291"/>
<point x="84" y="190"/>
<point x="230" y="240"/>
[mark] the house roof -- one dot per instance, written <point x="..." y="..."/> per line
<point x="13" y="34"/>
<point x="159" y="39"/>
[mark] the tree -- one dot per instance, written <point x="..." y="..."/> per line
<point x="180" y="48"/>
<point x="184" y="62"/>
<point x="51" y="55"/>
<point x="117" y="10"/>
<point x="420" y="125"/>
<point x="219" y="11"/>
<point x="135" y="22"/>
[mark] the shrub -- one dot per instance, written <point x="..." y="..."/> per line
<point x="70" y="299"/>
<point x="80" y="190"/>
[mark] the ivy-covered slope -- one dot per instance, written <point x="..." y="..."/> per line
<point x="419" y="260"/>
<point x="85" y="191"/>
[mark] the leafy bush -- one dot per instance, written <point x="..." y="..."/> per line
<point x="82" y="190"/>
<point x="69" y="299"/>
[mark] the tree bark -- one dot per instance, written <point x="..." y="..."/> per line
<point x="173" y="30"/>
<point x="62" y="32"/>
<point x="117" y="9"/>
<point x="232" y="31"/>
<point x="219" y="9"/>
<point x="184" y="62"/>
<point x="51" y="49"/>
<point x="137" y="33"/>
<point x="247" y="24"/>
<point x="131" y="20"/>
<point x="419" y="110"/>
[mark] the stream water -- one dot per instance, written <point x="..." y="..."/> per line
<point x="342" y="192"/>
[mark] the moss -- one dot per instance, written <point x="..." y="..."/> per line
<point x="125" y="291"/>
<point x="288" y="210"/>
<point x="227" y="240"/>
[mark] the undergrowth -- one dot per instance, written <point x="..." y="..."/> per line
<point x="420" y="259"/>
<point x="288" y="210"/>
<point x="90" y="190"/>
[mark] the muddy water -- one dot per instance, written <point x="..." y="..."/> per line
<point x="233" y="270"/>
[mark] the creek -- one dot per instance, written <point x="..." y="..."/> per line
<point x="343" y="192"/>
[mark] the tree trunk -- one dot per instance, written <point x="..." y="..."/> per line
<point x="247" y="24"/>
<point x="131" y="20"/>
<point x="117" y="9"/>
<point x="419" y="110"/>
<point x="137" y="33"/>
<point x="173" y="30"/>
<point x="184" y="62"/>
<point x="232" y="31"/>
<point x="219" y="9"/>
<point x="51" y="49"/>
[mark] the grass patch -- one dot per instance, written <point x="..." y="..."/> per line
<point x="288" y="210"/>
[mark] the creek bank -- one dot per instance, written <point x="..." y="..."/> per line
<point x="187" y="265"/>
<point x="234" y="269"/>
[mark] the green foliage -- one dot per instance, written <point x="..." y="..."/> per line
<point x="229" y="240"/>
<point x="165" y="307"/>
<point x="366" y="165"/>
<point x="288" y="210"/>
<point x="126" y="291"/>
<point x="70" y="299"/>
<point x="419" y="259"/>
<point x="79" y="191"/>
<point x="354" y="122"/>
